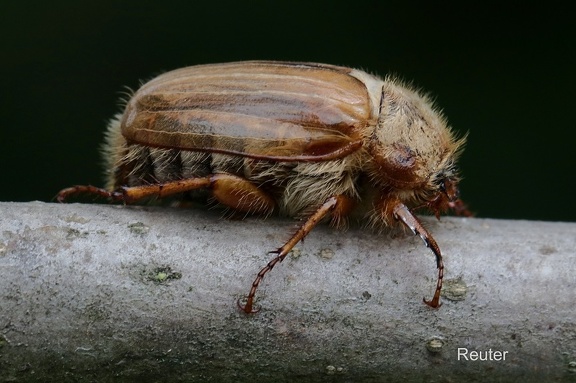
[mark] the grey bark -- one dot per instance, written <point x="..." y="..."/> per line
<point x="97" y="293"/>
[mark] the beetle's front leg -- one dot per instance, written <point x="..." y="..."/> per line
<point x="460" y="208"/>
<point x="404" y="215"/>
<point x="338" y="206"/>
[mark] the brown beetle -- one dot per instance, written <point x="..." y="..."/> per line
<point x="294" y="138"/>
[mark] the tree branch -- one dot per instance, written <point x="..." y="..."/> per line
<point x="97" y="292"/>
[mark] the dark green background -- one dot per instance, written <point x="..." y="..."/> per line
<point x="506" y="75"/>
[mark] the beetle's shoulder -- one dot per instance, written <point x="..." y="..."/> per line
<point x="249" y="108"/>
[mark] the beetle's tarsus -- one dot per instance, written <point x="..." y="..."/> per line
<point x="248" y="307"/>
<point x="89" y="190"/>
<point x="434" y="303"/>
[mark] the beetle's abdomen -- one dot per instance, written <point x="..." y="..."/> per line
<point x="293" y="185"/>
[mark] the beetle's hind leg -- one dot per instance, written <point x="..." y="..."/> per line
<point x="232" y="191"/>
<point x="131" y="194"/>
<point x="88" y="189"/>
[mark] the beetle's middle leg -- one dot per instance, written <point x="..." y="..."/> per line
<point x="339" y="206"/>
<point x="235" y="192"/>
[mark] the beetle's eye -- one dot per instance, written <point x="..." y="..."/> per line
<point x="442" y="185"/>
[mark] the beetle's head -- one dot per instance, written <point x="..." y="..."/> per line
<point x="414" y="150"/>
<point x="443" y="193"/>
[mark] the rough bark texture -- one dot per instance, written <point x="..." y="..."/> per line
<point x="102" y="293"/>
